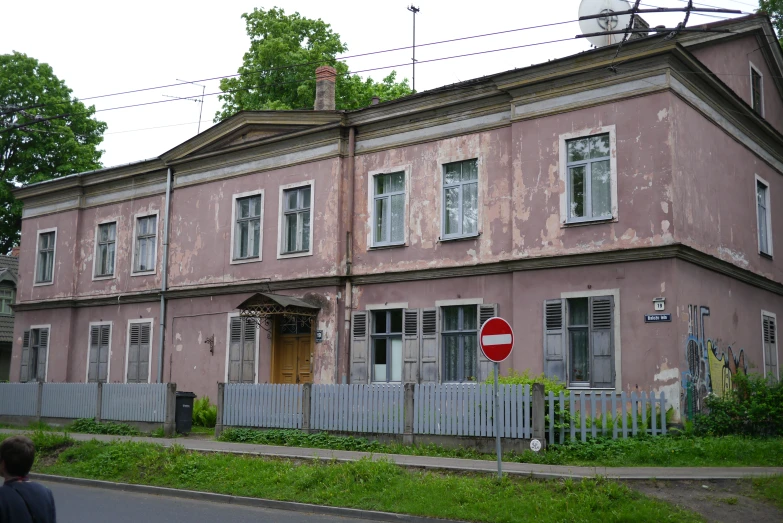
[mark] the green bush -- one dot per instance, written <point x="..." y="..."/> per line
<point x="753" y="408"/>
<point x="204" y="414"/>
<point x="90" y="426"/>
<point x="524" y="378"/>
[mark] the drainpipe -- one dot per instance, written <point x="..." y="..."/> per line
<point x="348" y="300"/>
<point x="164" y="277"/>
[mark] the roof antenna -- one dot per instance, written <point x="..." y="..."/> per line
<point x="414" y="10"/>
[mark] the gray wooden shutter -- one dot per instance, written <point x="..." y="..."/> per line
<point x="410" y="346"/>
<point x="359" y="346"/>
<point x="144" y="352"/>
<point x="770" y="348"/>
<point x="24" y="374"/>
<point x="554" y="339"/>
<point x="485" y="366"/>
<point x="103" y="354"/>
<point x="235" y="350"/>
<point x="133" y="353"/>
<point x="602" y="341"/>
<point x="248" y="350"/>
<point x="92" y="362"/>
<point x="430" y="349"/>
<point x="43" y="353"/>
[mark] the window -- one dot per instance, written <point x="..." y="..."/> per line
<point x="296" y="325"/>
<point x="460" y="199"/>
<point x="105" y="249"/>
<point x="296" y="220"/>
<point x="387" y="346"/>
<point x="138" y="357"/>
<point x="769" y="339"/>
<point x="146" y="244"/>
<point x="247" y="228"/>
<point x="242" y="347"/>
<point x="589" y="178"/>
<point x="389" y="209"/>
<point x="756" y="91"/>
<point x="35" y="348"/>
<point x="763" y="217"/>
<point x="98" y="354"/>
<point x="460" y="346"/>
<point x="45" y="261"/>
<point x="6" y="300"/>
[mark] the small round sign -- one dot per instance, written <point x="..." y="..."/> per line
<point x="496" y="339"/>
<point x="535" y="445"/>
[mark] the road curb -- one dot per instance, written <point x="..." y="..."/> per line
<point x="242" y="500"/>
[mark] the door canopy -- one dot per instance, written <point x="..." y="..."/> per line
<point x="263" y="307"/>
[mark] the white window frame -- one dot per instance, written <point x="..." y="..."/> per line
<point x="563" y="171"/>
<point x="228" y="342"/>
<point x="755" y="69"/>
<point x="281" y="254"/>
<point x="36" y="283"/>
<point x="113" y="275"/>
<point x="759" y="179"/>
<point x="108" y="361"/>
<point x="157" y="237"/>
<point x="10" y="302"/>
<point x="615" y="293"/>
<point x="763" y="355"/>
<point x="406" y="169"/>
<point x="232" y="250"/>
<point x="372" y="335"/>
<point x="48" y="346"/>
<point x="442" y="162"/>
<point x="151" y="321"/>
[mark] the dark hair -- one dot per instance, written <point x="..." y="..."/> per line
<point x="18" y="454"/>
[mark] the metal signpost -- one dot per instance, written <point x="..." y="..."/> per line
<point x="497" y="340"/>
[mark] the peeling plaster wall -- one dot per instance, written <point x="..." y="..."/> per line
<point x="715" y="194"/>
<point x="730" y="61"/>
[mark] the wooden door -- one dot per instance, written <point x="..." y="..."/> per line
<point x="292" y="359"/>
<point x="303" y="358"/>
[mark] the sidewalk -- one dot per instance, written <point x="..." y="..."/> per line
<point x="465" y="465"/>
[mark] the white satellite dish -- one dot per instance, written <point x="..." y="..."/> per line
<point x="608" y="22"/>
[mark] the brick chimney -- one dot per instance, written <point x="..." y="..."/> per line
<point x="324" y="88"/>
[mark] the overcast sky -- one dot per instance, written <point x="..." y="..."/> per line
<point x="100" y="47"/>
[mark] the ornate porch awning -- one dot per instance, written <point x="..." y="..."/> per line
<point x="263" y="307"/>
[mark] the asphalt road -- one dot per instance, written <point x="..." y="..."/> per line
<point x="95" y="505"/>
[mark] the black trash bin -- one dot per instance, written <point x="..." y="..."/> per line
<point x="184" y="412"/>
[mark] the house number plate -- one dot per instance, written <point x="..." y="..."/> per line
<point x="656" y="318"/>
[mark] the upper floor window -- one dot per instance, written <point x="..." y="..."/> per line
<point x="387" y="345"/>
<point x="247" y="227"/>
<point x="105" y="249"/>
<point x="459" y="336"/>
<point x="756" y="90"/>
<point x="296" y="219"/>
<point x="146" y="244"/>
<point x="589" y="178"/>
<point x="6" y="300"/>
<point x="388" y="209"/>
<point x="763" y="217"/>
<point x="460" y="199"/>
<point x="44" y="271"/>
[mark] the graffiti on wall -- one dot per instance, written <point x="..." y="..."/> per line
<point x="710" y="369"/>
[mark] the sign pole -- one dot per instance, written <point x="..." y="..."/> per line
<point x="497" y="422"/>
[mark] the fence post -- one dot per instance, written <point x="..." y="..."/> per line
<point x="407" y="414"/>
<point x="219" y="419"/>
<point x="170" y="425"/>
<point x="307" y="390"/>
<point x="98" y="401"/>
<point x="39" y="403"/>
<point x="539" y="413"/>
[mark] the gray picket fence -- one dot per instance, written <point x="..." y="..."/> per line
<point x="264" y="405"/>
<point x="467" y="409"/>
<point x="134" y="402"/>
<point x="605" y="413"/>
<point x="373" y="409"/>
<point x="18" y="399"/>
<point x="69" y="400"/>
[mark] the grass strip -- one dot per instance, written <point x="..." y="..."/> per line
<point x="363" y="484"/>
<point x="768" y="489"/>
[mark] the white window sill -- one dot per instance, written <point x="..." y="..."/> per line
<point x="283" y="255"/>
<point x="765" y="255"/>
<point x="245" y="260"/>
<point x="458" y="238"/>
<point x="43" y="283"/>
<point x="101" y="278"/>
<point x="386" y="246"/>
<point x="143" y="273"/>
<point x="588" y="222"/>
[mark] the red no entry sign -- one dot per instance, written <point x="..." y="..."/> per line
<point x="496" y="339"/>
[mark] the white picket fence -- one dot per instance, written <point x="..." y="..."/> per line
<point x="263" y="405"/>
<point x="604" y="413"/>
<point x="375" y="409"/>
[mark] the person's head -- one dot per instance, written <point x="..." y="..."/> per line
<point x="17" y="454"/>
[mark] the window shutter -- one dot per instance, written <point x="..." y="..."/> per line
<point x="430" y="350"/>
<point x="485" y="366"/>
<point x="92" y="362"/>
<point x="103" y="355"/>
<point x="770" y="348"/>
<point x="410" y="346"/>
<point x="359" y="346"/>
<point x="602" y="341"/>
<point x="133" y="353"/>
<point x="554" y="339"/>
<point x="249" y="351"/>
<point x="24" y="374"/>
<point x="43" y="353"/>
<point x="144" y="352"/>
<point x="235" y="350"/>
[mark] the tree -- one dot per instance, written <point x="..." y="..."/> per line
<point x="44" y="134"/>
<point x="278" y="72"/>
<point x="774" y="8"/>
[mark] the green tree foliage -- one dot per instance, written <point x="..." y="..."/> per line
<point x="278" y="71"/>
<point x="44" y="133"/>
<point x="774" y="8"/>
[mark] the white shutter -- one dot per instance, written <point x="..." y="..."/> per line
<point x="485" y="366"/>
<point x="144" y="352"/>
<point x="92" y="361"/>
<point x="43" y="353"/>
<point x="133" y="354"/>
<point x="554" y="339"/>
<point x="410" y="346"/>
<point x="360" y="341"/>
<point x="235" y="350"/>
<point x="770" y="348"/>
<point x="24" y="374"/>
<point x="602" y="341"/>
<point x="248" y="350"/>
<point x="103" y="354"/>
<point x="430" y="350"/>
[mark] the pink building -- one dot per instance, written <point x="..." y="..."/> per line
<point x="621" y="218"/>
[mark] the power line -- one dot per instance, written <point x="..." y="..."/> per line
<point x="157" y="127"/>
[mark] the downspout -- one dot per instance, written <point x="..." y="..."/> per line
<point x="164" y="277"/>
<point x="348" y="300"/>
